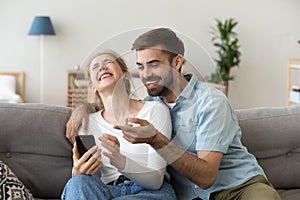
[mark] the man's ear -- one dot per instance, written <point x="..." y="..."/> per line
<point x="177" y="62"/>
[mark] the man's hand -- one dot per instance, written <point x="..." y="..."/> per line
<point x="86" y="165"/>
<point x="112" y="144"/>
<point x="143" y="133"/>
<point x="80" y="116"/>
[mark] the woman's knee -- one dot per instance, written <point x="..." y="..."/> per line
<point x="85" y="187"/>
<point x="79" y="180"/>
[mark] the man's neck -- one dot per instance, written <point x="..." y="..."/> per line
<point x="178" y="86"/>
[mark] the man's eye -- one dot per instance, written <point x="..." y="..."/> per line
<point x="153" y="65"/>
<point x="140" y="67"/>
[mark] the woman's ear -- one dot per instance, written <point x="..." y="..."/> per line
<point x="126" y="78"/>
<point x="126" y="75"/>
<point x="92" y="87"/>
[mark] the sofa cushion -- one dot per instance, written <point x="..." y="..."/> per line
<point x="34" y="146"/>
<point x="10" y="186"/>
<point x="273" y="136"/>
<point x="289" y="194"/>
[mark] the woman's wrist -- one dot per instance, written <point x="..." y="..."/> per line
<point x="73" y="172"/>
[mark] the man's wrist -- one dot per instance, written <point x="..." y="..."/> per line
<point x="159" y="141"/>
<point x="152" y="139"/>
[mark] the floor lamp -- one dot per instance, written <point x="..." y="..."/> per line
<point x="41" y="26"/>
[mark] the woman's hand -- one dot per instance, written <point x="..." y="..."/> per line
<point x="112" y="144"/>
<point x="86" y="165"/>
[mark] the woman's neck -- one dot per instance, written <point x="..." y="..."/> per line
<point x="110" y="112"/>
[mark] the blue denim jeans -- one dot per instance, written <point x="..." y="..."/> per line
<point x="90" y="187"/>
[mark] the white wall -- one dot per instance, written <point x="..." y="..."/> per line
<point x="268" y="31"/>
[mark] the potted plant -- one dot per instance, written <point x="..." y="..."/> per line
<point x="228" y="51"/>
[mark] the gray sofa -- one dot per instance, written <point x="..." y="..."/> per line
<point x="33" y="144"/>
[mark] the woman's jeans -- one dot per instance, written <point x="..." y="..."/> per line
<point x="91" y="187"/>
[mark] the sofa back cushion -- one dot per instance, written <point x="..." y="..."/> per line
<point x="33" y="145"/>
<point x="273" y="136"/>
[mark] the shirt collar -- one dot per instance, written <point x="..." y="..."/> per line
<point x="186" y="93"/>
<point x="192" y="80"/>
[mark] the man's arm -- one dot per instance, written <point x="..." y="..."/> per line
<point x="79" y="116"/>
<point x="202" y="170"/>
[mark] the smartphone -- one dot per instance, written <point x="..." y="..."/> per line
<point x="84" y="143"/>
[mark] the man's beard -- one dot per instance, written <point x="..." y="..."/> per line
<point x="159" y="91"/>
<point x="163" y="89"/>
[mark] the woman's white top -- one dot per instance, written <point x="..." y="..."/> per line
<point x="143" y="164"/>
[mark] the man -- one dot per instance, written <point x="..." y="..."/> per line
<point x="206" y="158"/>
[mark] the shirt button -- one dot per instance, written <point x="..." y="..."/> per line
<point x="196" y="186"/>
<point x="8" y="155"/>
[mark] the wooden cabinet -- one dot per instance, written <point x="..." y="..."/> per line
<point x="78" y="88"/>
<point x="293" y="81"/>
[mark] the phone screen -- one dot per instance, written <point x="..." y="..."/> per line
<point x="84" y="143"/>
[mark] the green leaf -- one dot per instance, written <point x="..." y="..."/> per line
<point x="226" y="42"/>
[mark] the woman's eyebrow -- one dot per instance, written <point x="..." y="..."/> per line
<point x="95" y="65"/>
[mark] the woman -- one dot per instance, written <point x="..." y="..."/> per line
<point x="127" y="171"/>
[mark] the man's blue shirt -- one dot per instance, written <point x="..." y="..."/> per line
<point x="203" y="120"/>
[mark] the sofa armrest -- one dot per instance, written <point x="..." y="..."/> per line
<point x="272" y="134"/>
<point x="34" y="146"/>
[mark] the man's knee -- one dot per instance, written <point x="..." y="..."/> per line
<point x="260" y="191"/>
